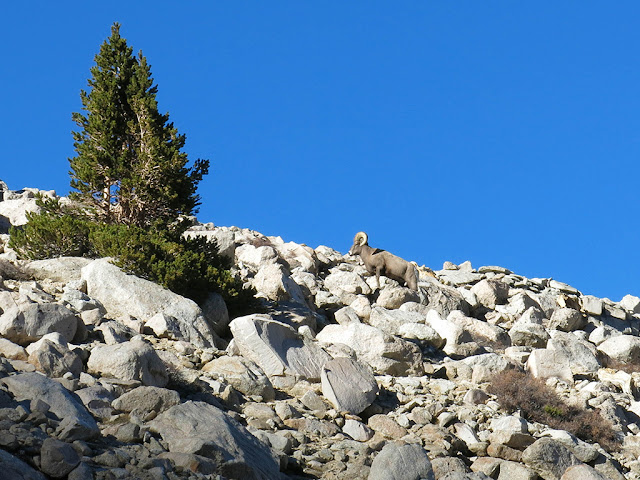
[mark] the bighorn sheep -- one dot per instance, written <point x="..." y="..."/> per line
<point x="384" y="263"/>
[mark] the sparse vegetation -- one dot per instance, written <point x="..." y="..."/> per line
<point x="134" y="189"/>
<point x="538" y="402"/>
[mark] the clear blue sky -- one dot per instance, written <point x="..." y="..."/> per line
<point x="504" y="133"/>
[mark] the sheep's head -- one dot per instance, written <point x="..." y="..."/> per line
<point x="360" y="239"/>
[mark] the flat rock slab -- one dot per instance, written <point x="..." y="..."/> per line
<point x="61" y="269"/>
<point x="202" y="429"/>
<point x="277" y="348"/>
<point x="348" y="385"/>
<point x="77" y="423"/>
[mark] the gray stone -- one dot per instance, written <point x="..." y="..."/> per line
<point x="242" y="374"/>
<point x="385" y="353"/>
<point x="202" y="429"/>
<point x="491" y="292"/>
<point x="27" y="323"/>
<point x="582" y="472"/>
<point x="57" y="458"/>
<point x="348" y="385"/>
<point x="12" y="468"/>
<point x="346" y="315"/>
<point x="357" y="430"/>
<point x="516" y="471"/>
<point x="390" y="321"/>
<point x="298" y="256"/>
<point x="97" y="399"/>
<point x="125" y="296"/>
<point x="225" y="239"/>
<point x="441" y="298"/>
<point x="591" y="305"/>
<point x="622" y="348"/>
<point x="479" y="330"/>
<point x="273" y="282"/>
<point x="546" y="363"/>
<point x="420" y="331"/>
<point x="549" y="458"/>
<point x="528" y="334"/>
<point x="452" y="468"/>
<point x="567" y="320"/>
<point x="580" y="353"/>
<point x="255" y="257"/>
<point x="392" y="297"/>
<point x="458" y="277"/>
<point x="216" y="313"/>
<point x="630" y="303"/>
<point x="277" y="348"/>
<point x="133" y="360"/>
<point x="77" y="423"/>
<point x="60" y="269"/>
<point x="401" y="462"/>
<point x="54" y="360"/>
<point x="343" y="283"/>
<point x="11" y="350"/>
<point x="144" y="400"/>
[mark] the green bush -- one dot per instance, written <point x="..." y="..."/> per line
<point x="190" y="267"/>
<point x="55" y="232"/>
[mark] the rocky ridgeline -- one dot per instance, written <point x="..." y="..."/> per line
<point x="105" y="375"/>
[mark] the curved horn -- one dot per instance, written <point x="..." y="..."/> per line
<point x="361" y="238"/>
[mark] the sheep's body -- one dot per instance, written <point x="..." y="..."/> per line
<point x="384" y="263"/>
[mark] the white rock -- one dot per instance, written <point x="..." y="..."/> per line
<point x="451" y="332"/>
<point x="491" y="292"/>
<point x="256" y="257"/>
<point x="545" y="363"/>
<point x="27" y="323"/>
<point x="298" y="256"/>
<point x="385" y="353"/>
<point x="623" y="348"/>
<point x="277" y="348"/>
<point x="274" y="282"/>
<point x="340" y="282"/>
<point x="125" y="296"/>
<point x="580" y="353"/>
<point x="631" y="303"/>
<point x="567" y="320"/>
<point x="528" y="334"/>
<point x="60" y="269"/>
<point x="133" y="360"/>
<point x="242" y="374"/>
<point x="357" y="430"/>
<point x="591" y="305"/>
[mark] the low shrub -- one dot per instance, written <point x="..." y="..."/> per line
<point x="56" y="231"/>
<point x="190" y="267"/>
<point x="538" y="402"/>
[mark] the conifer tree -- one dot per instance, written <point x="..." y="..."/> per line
<point x="129" y="165"/>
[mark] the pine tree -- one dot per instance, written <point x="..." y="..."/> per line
<point x="129" y="165"/>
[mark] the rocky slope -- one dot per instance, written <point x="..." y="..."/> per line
<point x="105" y="375"/>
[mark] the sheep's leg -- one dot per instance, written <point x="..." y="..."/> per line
<point x="378" y="271"/>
